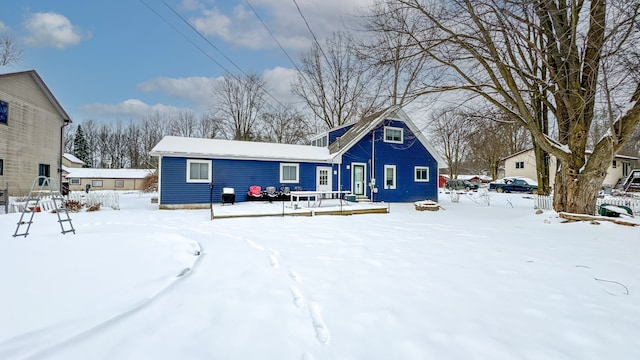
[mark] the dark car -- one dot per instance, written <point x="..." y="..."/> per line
<point x="515" y="185"/>
<point x="457" y="184"/>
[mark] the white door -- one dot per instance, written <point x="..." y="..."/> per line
<point x="323" y="178"/>
<point x="358" y="179"/>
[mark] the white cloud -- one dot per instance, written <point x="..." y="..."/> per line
<point x="278" y="82"/>
<point x="50" y="29"/>
<point x="241" y="27"/>
<point x="131" y="108"/>
<point x="3" y="27"/>
<point x="196" y="89"/>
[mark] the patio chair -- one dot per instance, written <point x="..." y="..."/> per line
<point x="270" y="193"/>
<point x="285" y="193"/>
<point x="254" y="193"/>
<point x="228" y="195"/>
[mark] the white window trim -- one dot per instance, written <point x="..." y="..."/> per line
<point x="118" y="181"/>
<point x="393" y="141"/>
<point x="395" y="177"/>
<point x="415" y="173"/>
<point x="75" y="181"/>
<point x="94" y="182"/>
<point x="193" y="161"/>
<point x="297" y="180"/>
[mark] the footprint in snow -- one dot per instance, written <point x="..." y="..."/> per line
<point x="322" y="332"/>
<point x="295" y="276"/>
<point x="298" y="299"/>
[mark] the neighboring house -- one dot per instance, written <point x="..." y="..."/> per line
<point x="106" y="179"/>
<point x="69" y="161"/>
<point x="31" y="128"/>
<point x="383" y="157"/>
<point x="523" y="164"/>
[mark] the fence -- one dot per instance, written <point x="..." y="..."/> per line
<point x="4" y="199"/>
<point x="104" y="198"/>
<point x="546" y="202"/>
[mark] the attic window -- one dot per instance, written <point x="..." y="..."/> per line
<point x="4" y="112"/>
<point x="393" y="135"/>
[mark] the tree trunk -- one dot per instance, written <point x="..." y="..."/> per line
<point x="542" y="165"/>
<point x="576" y="186"/>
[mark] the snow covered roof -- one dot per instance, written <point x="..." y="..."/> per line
<point x="72" y="158"/>
<point x="368" y="123"/>
<point x="89" y="173"/>
<point x="469" y="177"/>
<point x="232" y="149"/>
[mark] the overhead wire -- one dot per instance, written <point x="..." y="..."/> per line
<point x="266" y="91"/>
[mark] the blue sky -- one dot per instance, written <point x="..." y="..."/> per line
<point x="118" y="59"/>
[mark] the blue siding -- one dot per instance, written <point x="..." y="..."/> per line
<point x="404" y="156"/>
<point x="238" y="174"/>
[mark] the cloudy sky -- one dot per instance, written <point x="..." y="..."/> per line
<point x="122" y="59"/>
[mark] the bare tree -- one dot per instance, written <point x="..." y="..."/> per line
<point x="238" y="105"/>
<point x="451" y="129"/>
<point x="335" y="84"/>
<point x="393" y="55"/>
<point x="184" y="123"/>
<point x="494" y="138"/>
<point x="10" y="54"/>
<point x="486" y="46"/>
<point x="285" y="125"/>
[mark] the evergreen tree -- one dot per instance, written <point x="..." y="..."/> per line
<point x="81" y="147"/>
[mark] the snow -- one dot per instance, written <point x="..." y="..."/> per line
<point x="197" y="147"/>
<point x="92" y="173"/>
<point x="467" y="281"/>
<point x="72" y="158"/>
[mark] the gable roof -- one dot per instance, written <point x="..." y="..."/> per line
<point x="587" y="152"/>
<point x="45" y="90"/>
<point x="241" y="150"/>
<point x="72" y="158"/>
<point x="368" y="123"/>
<point x="91" y="173"/>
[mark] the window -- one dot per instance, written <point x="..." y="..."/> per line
<point x="320" y="142"/>
<point x="289" y="173"/>
<point x="421" y="174"/>
<point x="615" y="164"/>
<point x="4" y="112"/>
<point x="119" y="183"/>
<point x="390" y="177"/>
<point x="75" y="182"/>
<point x="519" y="164"/>
<point x="96" y="183"/>
<point x="43" y="170"/>
<point x="1" y="166"/>
<point x="199" y="171"/>
<point x="393" y="135"/>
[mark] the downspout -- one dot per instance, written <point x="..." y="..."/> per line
<point x="66" y="122"/>
<point x="372" y="178"/>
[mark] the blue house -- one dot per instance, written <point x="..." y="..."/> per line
<point x="383" y="157"/>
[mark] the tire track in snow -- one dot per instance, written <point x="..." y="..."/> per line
<point x="47" y="340"/>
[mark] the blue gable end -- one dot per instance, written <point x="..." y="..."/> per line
<point x="238" y="174"/>
<point x="403" y="157"/>
<point x="336" y="133"/>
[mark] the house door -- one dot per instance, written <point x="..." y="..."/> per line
<point x="323" y="178"/>
<point x="358" y="179"/>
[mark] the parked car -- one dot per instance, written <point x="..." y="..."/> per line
<point x="457" y="184"/>
<point x="515" y="185"/>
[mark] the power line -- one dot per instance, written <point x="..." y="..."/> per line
<point x="315" y="39"/>
<point x="184" y="36"/>
<point x="212" y="45"/>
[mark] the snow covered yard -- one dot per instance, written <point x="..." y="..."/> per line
<point x="471" y="281"/>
